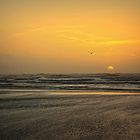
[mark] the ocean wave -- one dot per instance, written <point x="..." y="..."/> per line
<point x="72" y="82"/>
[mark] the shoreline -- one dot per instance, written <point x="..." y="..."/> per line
<point x="45" y="94"/>
<point x="70" y="91"/>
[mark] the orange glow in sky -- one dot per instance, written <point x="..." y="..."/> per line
<point x="43" y="36"/>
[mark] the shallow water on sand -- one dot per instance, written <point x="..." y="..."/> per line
<point x="69" y="116"/>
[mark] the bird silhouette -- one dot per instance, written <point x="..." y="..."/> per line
<point x="91" y="52"/>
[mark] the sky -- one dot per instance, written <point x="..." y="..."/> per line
<point x="58" y="36"/>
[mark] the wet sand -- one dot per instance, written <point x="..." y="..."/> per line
<point x="65" y="116"/>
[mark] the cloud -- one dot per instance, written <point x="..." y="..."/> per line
<point x="118" y="42"/>
<point x="76" y="33"/>
<point x="87" y="38"/>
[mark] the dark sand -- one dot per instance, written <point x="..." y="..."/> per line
<point x="43" y="116"/>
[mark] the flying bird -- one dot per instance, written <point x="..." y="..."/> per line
<point x="91" y="52"/>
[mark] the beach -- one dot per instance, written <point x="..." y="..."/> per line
<point x="29" y="115"/>
<point x="70" y="70"/>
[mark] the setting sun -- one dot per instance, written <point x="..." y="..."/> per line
<point x="110" y="68"/>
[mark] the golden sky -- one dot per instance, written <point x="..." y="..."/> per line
<point x="57" y="36"/>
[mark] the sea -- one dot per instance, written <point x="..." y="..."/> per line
<point x="71" y="82"/>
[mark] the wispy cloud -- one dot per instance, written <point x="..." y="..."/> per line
<point x="118" y="42"/>
<point x="76" y="33"/>
<point x="89" y="39"/>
